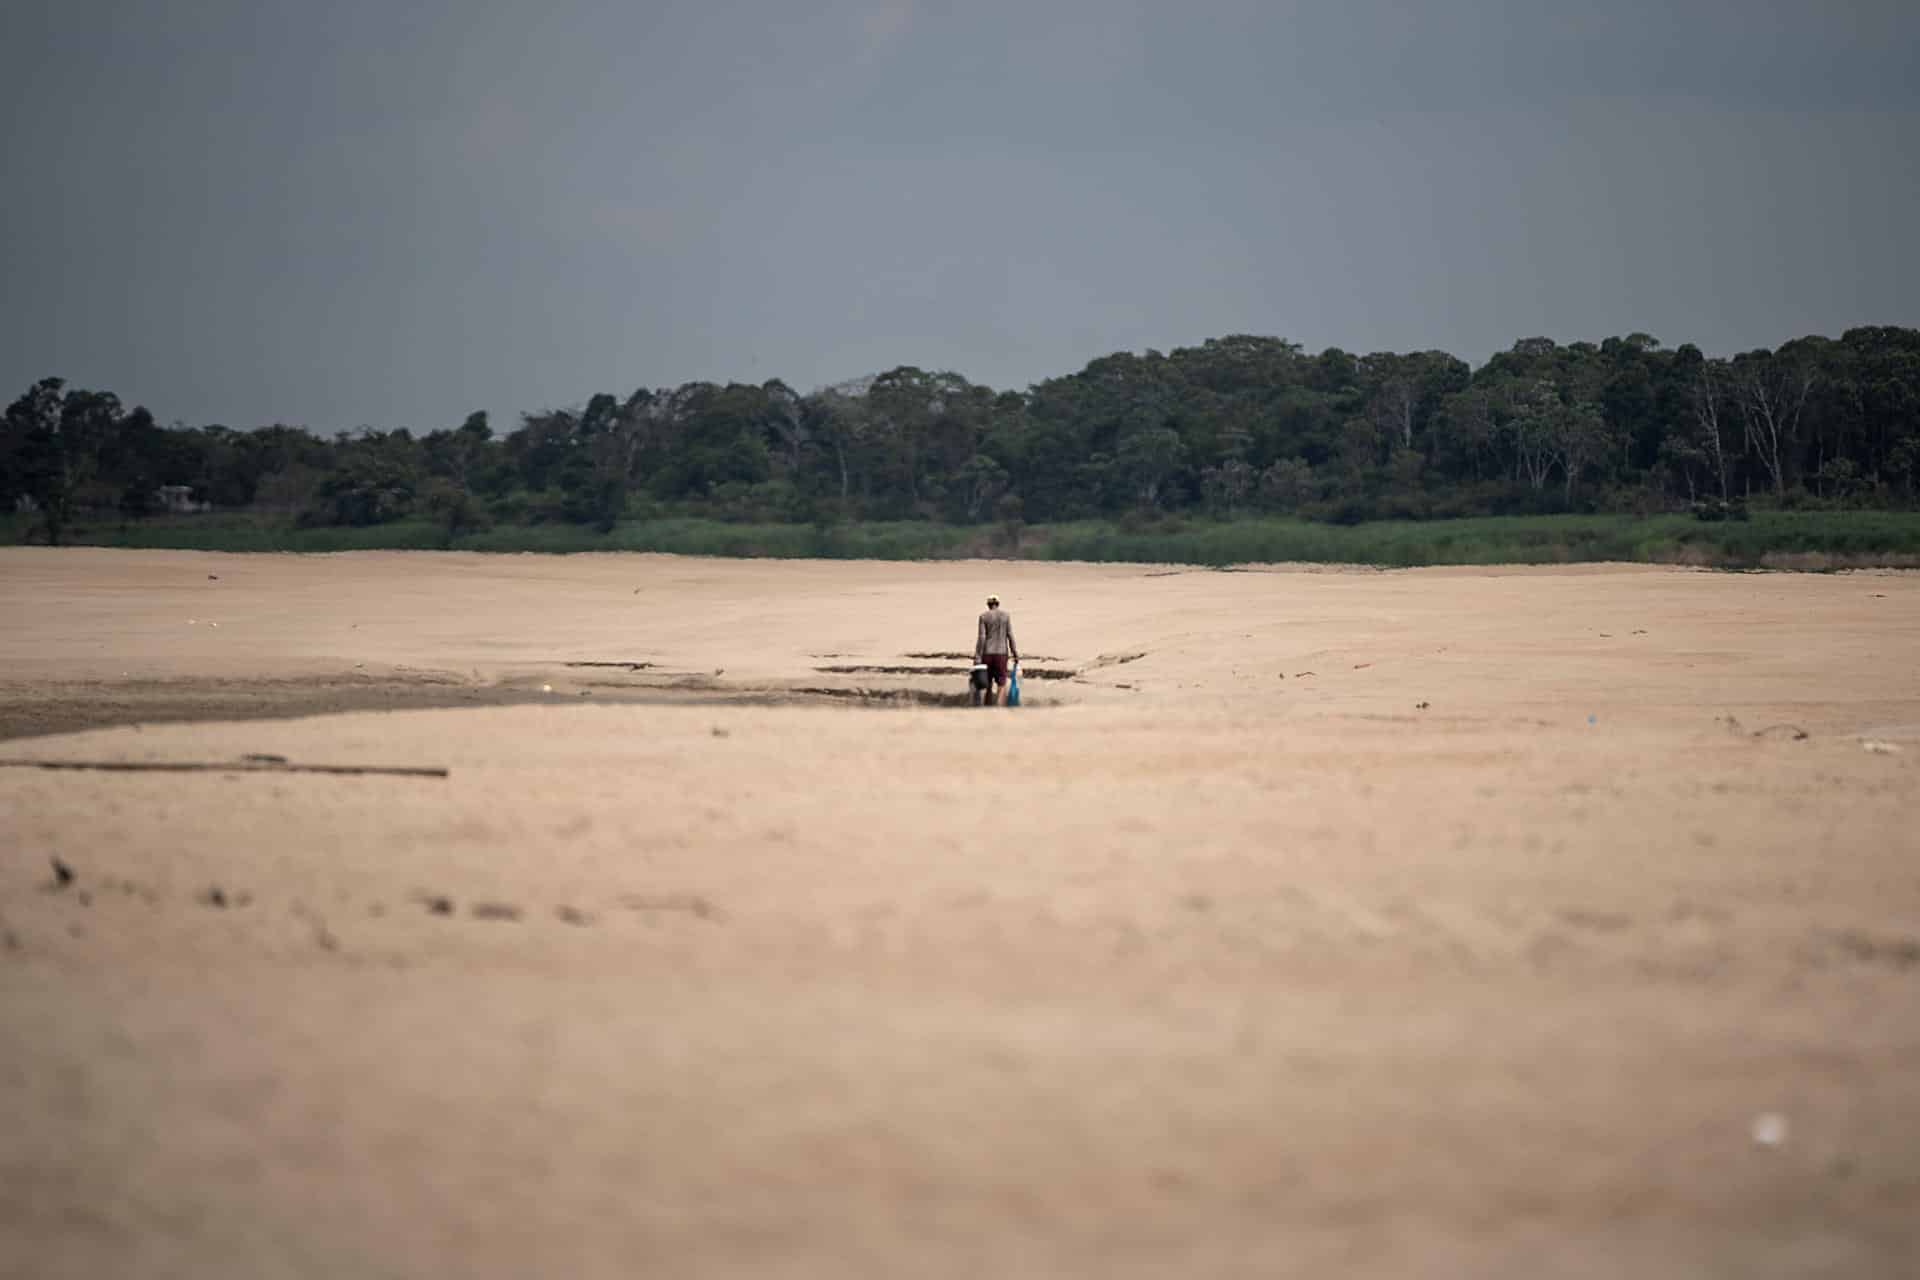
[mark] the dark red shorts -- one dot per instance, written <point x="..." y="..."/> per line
<point x="997" y="667"/>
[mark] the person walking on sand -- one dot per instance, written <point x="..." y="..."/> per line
<point x="996" y="647"/>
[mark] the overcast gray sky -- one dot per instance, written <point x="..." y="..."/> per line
<point x="337" y="212"/>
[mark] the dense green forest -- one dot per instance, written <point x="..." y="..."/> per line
<point x="1236" y="425"/>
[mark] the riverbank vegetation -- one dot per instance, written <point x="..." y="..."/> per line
<point x="1239" y="449"/>
<point x="1769" y="539"/>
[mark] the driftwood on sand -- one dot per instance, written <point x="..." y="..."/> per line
<point x="252" y="764"/>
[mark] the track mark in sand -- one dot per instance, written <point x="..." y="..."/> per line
<point x="1356" y="920"/>
<point x="620" y="666"/>
<point x="1115" y="659"/>
<point x="1595" y="921"/>
<point x="1887" y="733"/>
<point x="689" y="903"/>
<point x="1443" y="929"/>
<point x="1892" y="953"/>
<point x="316" y="924"/>
<point x="495" y="911"/>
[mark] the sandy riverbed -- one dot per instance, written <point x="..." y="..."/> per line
<point x="1305" y="922"/>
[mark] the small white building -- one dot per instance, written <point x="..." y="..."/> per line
<point x="177" y="499"/>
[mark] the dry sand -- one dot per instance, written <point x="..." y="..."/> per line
<point x="1414" y="923"/>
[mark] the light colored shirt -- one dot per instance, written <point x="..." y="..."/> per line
<point x="996" y="635"/>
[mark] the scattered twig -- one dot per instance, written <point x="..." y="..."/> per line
<point x="1793" y="731"/>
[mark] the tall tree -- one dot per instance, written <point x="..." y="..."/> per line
<point x="54" y="441"/>
<point x="1771" y="391"/>
<point x="1709" y="394"/>
<point x="1147" y="459"/>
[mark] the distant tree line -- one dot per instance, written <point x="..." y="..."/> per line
<point x="1236" y="424"/>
